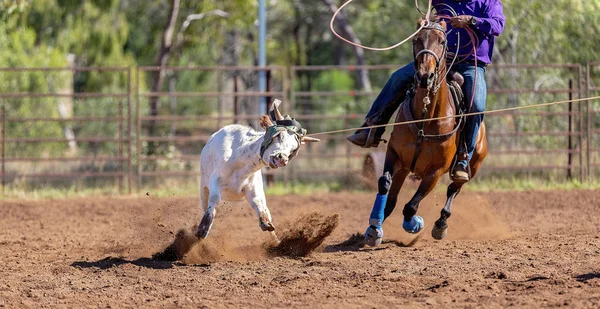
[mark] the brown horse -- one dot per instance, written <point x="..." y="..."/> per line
<point x="428" y="148"/>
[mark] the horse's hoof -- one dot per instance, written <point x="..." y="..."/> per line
<point x="440" y="229"/>
<point x="373" y="236"/>
<point x="413" y="226"/>
<point x="439" y="233"/>
<point x="267" y="226"/>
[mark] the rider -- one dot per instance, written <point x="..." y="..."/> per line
<point x="485" y="17"/>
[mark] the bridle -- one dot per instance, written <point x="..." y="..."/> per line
<point x="438" y="59"/>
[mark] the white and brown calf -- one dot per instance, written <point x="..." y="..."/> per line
<point x="232" y="160"/>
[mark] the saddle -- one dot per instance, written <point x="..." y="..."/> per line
<point x="455" y="81"/>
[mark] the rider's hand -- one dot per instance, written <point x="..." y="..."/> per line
<point x="460" y="21"/>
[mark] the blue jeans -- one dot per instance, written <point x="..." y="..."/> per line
<point x="398" y="84"/>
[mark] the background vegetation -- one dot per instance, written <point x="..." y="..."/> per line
<point x="124" y="33"/>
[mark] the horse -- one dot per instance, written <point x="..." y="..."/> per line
<point x="427" y="149"/>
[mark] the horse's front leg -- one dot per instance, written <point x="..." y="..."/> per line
<point x="412" y="223"/>
<point x="384" y="204"/>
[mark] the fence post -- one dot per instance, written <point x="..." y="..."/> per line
<point x="570" y="137"/>
<point x="236" y="107"/>
<point x="120" y="145"/>
<point x="220" y="107"/>
<point x="129" y="133"/>
<point x="139" y="129"/>
<point x="580" y="109"/>
<point x="589" y="121"/>
<point x="270" y="177"/>
<point x="3" y="120"/>
<point x="348" y="146"/>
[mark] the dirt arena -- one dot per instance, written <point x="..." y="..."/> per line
<point x="528" y="249"/>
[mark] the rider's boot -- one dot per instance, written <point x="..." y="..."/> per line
<point x="367" y="138"/>
<point x="461" y="171"/>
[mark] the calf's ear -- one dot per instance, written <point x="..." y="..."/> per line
<point x="265" y="122"/>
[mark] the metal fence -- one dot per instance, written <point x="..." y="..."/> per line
<point x="43" y="132"/>
<point x="516" y="143"/>
<point x="163" y="135"/>
<point x="593" y="120"/>
<point x="170" y="138"/>
<point x="541" y="139"/>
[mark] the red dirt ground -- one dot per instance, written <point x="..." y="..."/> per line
<point x="529" y="249"/>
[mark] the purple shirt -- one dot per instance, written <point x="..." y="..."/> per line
<point x="490" y="23"/>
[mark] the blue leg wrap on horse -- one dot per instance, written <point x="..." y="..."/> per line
<point x="415" y="225"/>
<point x="377" y="214"/>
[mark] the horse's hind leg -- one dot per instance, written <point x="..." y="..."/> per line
<point x="441" y="226"/>
<point x="384" y="203"/>
<point x="412" y="223"/>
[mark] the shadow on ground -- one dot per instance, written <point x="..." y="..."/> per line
<point x="110" y="262"/>
<point x="356" y="242"/>
<point x="588" y="276"/>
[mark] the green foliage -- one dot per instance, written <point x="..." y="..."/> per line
<point x="10" y="7"/>
<point x="45" y="33"/>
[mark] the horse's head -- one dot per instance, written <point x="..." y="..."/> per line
<point x="429" y="50"/>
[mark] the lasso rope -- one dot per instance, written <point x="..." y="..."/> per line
<point x="426" y="21"/>
<point x="427" y="16"/>
<point x="456" y="116"/>
<point x="474" y="42"/>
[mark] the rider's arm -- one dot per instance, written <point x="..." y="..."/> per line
<point x="493" y="21"/>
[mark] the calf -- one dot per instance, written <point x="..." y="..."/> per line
<point x="232" y="160"/>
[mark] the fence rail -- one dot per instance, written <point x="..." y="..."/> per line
<point x="155" y="138"/>
<point x="65" y="100"/>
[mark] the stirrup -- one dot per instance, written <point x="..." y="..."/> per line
<point x="452" y="173"/>
<point x="372" y="140"/>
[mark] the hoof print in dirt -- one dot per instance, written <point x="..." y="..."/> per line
<point x="304" y="235"/>
<point x="182" y="244"/>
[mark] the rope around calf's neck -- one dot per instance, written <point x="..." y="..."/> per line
<point x="456" y="116"/>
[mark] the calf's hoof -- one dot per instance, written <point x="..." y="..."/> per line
<point x="204" y="227"/>
<point x="373" y="236"/>
<point x="413" y="226"/>
<point x="267" y="226"/>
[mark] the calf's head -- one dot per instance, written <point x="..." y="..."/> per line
<point x="283" y="137"/>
